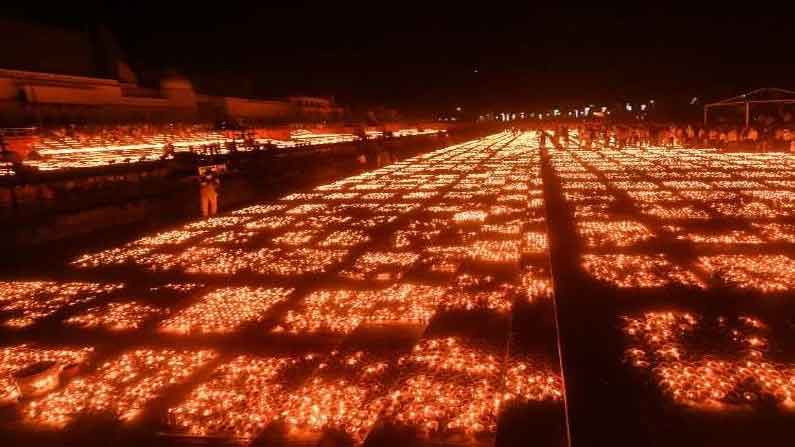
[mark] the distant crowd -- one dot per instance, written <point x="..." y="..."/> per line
<point x="593" y="135"/>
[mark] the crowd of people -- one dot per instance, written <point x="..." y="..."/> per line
<point x="757" y="137"/>
<point x="246" y="144"/>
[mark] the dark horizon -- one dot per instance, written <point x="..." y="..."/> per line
<point x="433" y="58"/>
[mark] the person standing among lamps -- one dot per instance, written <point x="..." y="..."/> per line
<point x="542" y="138"/>
<point x="208" y="193"/>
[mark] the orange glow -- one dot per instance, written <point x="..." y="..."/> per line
<point x="120" y="387"/>
<point x="742" y="377"/>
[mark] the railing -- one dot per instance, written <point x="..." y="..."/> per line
<point x="17" y="131"/>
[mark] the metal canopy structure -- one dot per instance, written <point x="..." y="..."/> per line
<point x="758" y="96"/>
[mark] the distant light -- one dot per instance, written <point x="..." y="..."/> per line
<point x="556" y="112"/>
<point x="651" y="101"/>
<point x="458" y="109"/>
<point x="604" y="109"/>
<point x="694" y="100"/>
<point x="476" y="69"/>
<point x="629" y="107"/>
<point x="586" y="110"/>
<point x="643" y="107"/>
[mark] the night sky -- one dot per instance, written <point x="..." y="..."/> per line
<point x="420" y="57"/>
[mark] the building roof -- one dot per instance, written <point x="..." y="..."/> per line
<point x="758" y="96"/>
